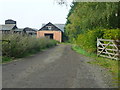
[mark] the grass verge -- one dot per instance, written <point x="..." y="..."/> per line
<point x="19" y="46"/>
<point x="111" y="65"/>
<point x="6" y="59"/>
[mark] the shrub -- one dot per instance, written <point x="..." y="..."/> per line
<point x="20" y="45"/>
<point x="88" y="40"/>
<point x="112" y="34"/>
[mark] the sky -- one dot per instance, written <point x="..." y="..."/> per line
<point x="32" y="13"/>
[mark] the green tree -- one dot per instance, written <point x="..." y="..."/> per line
<point x="85" y="16"/>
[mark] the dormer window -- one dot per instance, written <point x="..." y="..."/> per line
<point x="49" y="27"/>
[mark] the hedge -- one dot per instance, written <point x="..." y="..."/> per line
<point x="88" y="40"/>
<point x="19" y="45"/>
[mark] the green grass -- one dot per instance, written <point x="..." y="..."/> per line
<point x="111" y="65"/>
<point x="81" y="51"/>
<point x="6" y="59"/>
<point x="66" y="43"/>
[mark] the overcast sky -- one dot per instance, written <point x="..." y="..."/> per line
<point x="32" y="13"/>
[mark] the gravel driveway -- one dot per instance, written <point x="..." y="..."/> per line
<point x="57" y="67"/>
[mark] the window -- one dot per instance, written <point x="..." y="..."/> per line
<point x="49" y="27"/>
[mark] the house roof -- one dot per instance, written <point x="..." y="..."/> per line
<point x="58" y="26"/>
<point x="18" y="29"/>
<point x="29" y="29"/>
<point x="34" y="29"/>
<point x="10" y="21"/>
<point x="61" y="26"/>
<point x="8" y="27"/>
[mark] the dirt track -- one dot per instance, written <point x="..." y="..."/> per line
<point x="58" y="67"/>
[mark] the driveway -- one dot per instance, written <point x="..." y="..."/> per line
<point x="57" y="67"/>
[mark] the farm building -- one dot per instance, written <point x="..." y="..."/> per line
<point x="10" y="21"/>
<point x="52" y="31"/>
<point x="30" y="31"/>
<point x="10" y="27"/>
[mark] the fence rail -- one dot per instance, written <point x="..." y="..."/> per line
<point x="108" y="48"/>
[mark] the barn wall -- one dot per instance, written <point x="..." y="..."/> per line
<point x="57" y="35"/>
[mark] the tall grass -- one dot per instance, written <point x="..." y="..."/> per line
<point x="16" y="45"/>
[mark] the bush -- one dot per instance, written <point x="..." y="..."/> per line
<point x="112" y="34"/>
<point x="88" y="40"/>
<point x="20" y="45"/>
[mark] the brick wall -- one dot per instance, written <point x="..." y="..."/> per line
<point x="57" y="35"/>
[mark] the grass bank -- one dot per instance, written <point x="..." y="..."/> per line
<point x="111" y="65"/>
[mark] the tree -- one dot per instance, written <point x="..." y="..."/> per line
<point x="85" y="16"/>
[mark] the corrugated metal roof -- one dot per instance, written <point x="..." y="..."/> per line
<point x="7" y="27"/>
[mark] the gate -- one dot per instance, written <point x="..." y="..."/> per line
<point x="108" y="48"/>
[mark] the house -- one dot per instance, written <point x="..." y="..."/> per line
<point x="19" y="31"/>
<point x="52" y="31"/>
<point x="10" y="21"/>
<point x="10" y="28"/>
<point x="30" y="31"/>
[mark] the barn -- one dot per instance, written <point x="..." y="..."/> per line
<point x="52" y="31"/>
